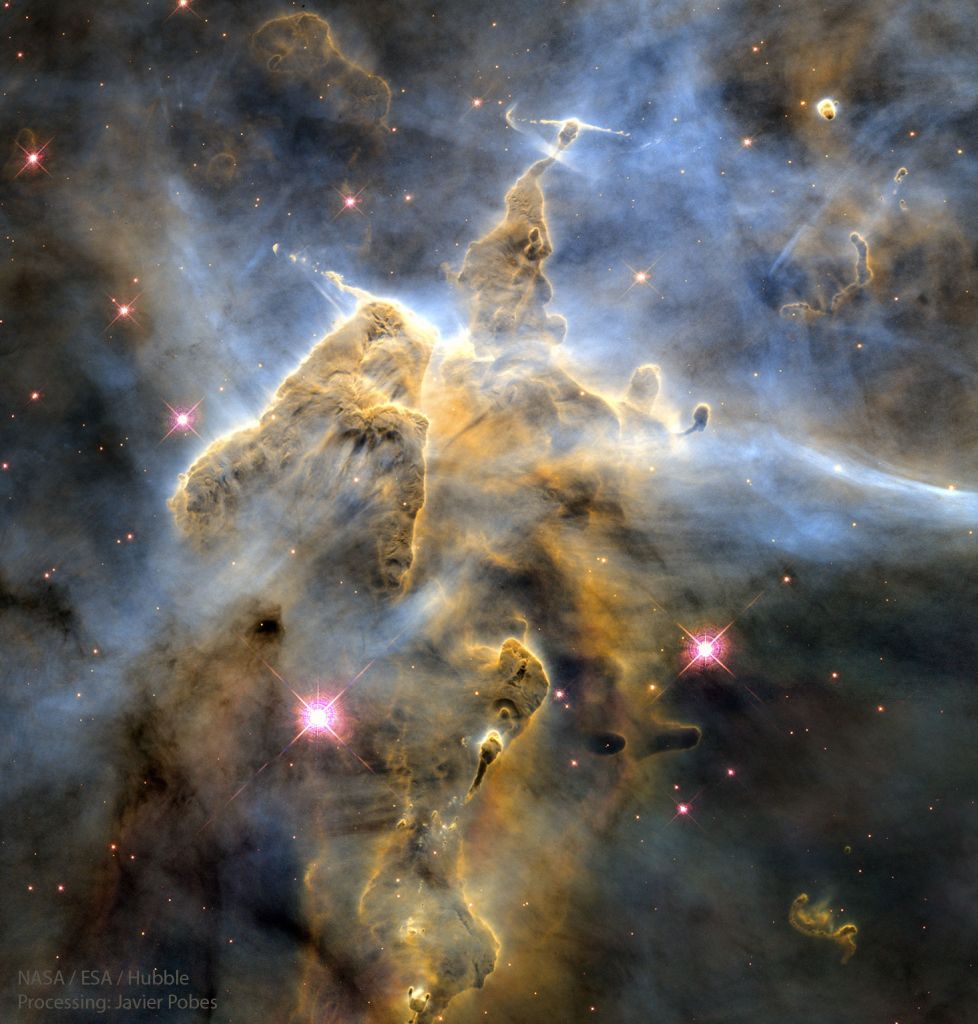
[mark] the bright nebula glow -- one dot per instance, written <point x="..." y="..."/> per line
<point x="705" y="647"/>
<point x="319" y="716"/>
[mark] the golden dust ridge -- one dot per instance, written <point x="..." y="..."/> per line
<point x="863" y="274"/>
<point x="345" y="421"/>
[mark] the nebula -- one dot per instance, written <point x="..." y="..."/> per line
<point x="490" y="498"/>
<point x="356" y="476"/>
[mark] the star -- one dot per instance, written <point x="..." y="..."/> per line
<point x="684" y="809"/>
<point x="183" y="5"/>
<point x="350" y="201"/>
<point x="123" y="311"/>
<point x="640" y="278"/>
<point x="181" y="420"/>
<point x="33" y="159"/>
<point x="705" y="648"/>
<point x="320" y="716"/>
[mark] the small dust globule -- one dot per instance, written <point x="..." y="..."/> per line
<point x="816" y="920"/>
<point x="492" y="747"/>
<point x="827" y="108"/>
<point x="701" y="416"/>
